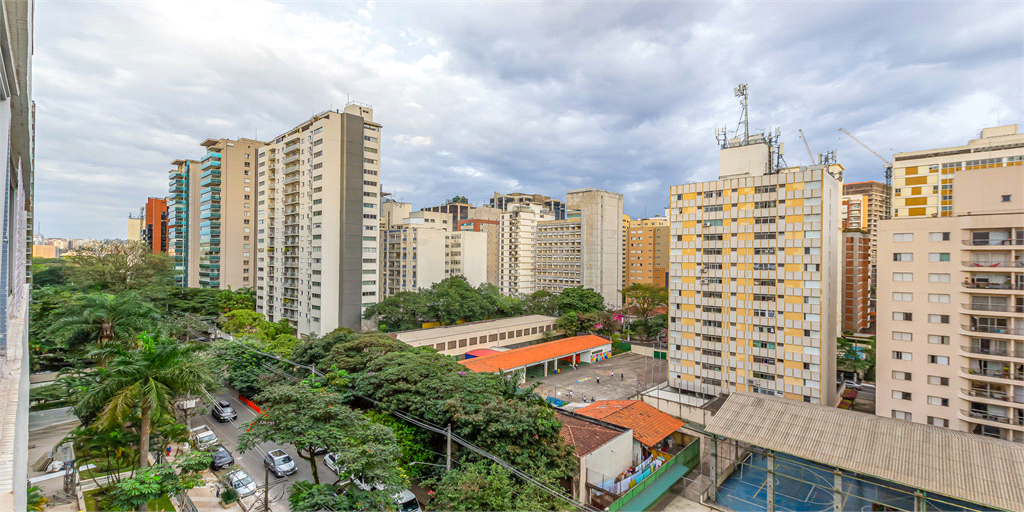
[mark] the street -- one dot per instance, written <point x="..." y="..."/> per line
<point x="252" y="461"/>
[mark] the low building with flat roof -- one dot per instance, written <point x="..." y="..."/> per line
<point x="456" y="340"/>
<point x="577" y="349"/>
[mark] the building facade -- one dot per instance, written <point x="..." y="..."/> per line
<point x="951" y="289"/>
<point x="227" y="191"/>
<point x="753" y="287"/>
<point x="923" y="180"/>
<point x="458" y="208"/>
<point x="601" y="229"/>
<point x="517" y="237"/>
<point x="858" y="306"/>
<point x="465" y="254"/>
<point x="486" y="220"/>
<point x="863" y="206"/>
<point x="134" y="229"/>
<point x="154" y="229"/>
<point x="646" y="251"/>
<point x="183" y="222"/>
<point x="414" y="258"/>
<point x="318" y="225"/>
<point x="559" y="253"/>
<point x="505" y="202"/>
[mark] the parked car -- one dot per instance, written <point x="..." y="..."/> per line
<point x="331" y="461"/>
<point x="407" y="502"/>
<point x="223" y="411"/>
<point x="405" y="499"/>
<point x="279" y="463"/>
<point x="221" y="458"/>
<point x="202" y="437"/>
<point x="241" y="481"/>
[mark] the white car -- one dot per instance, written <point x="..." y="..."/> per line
<point x="405" y="499"/>
<point x="331" y="461"/>
<point x="240" y="481"/>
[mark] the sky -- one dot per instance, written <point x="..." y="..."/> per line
<point x="479" y="97"/>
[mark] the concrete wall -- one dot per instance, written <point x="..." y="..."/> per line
<point x="471" y="255"/>
<point x="601" y="213"/>
<point x="238" y="196"/>
<point x="608" y="461"/>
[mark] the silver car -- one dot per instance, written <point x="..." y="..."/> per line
<point x="240" y="481"/>
<point x="279" y="463"/>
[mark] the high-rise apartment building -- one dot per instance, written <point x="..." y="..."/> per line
<point x="858" y="307"/>
<point x="753" y="287"/>
<point x="465" y="255"/>
<point x="458" y="207"/>
<point x="227" y="218"/>
<point x="601" y="227"/>
<point x="951" y="302"/>
<point x="517" y="239"/>
<point x="183" y="222"/>
<point x="863" y="206"/>
<point x="318" y="225"/>
<point x="923" y="180"/>
<point x="154" y="226"/>
<point x="559" y="253"/>
<point x="414" y="258"/>
<point x="646" y="251"/>
<point x="134" y="228"/>
<point x="505" y="202"/>
<point x="486" y="220"/>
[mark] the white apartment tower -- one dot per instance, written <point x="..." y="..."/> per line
<point x="319" y="193"/>
<point x="517" y="248"/>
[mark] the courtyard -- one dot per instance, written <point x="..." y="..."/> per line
<point x="640" y="372"/>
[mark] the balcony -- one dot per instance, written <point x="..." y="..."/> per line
<point x="1006" y="285"/>
<point x="987" y="394"/>
<point x="992" y="351"/>
<point x="992" y="264"/>
<point x="1007" y="374"/>
<point x="210" y="163"/>
<point x="1000" y="308"/>
<point x="976" y="416"/>
<point x="209" y="181"/>
<point x="1010" y="331"/>
<point x="983" y="243"/>
<point x="289" y="159"/>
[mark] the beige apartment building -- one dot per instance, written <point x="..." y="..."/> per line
<point x="951" y="303"/>
<point x="486" y="220"/>
<point x="227" y="219"/>
<point x="560" y="253"/>
<point x="183" y="222"/>
<point x="863" y="206"/>
<point x="646" y="251"/>
<point x="506" y="202"/>
<point x="417" y="256"/>
<point x="318" y="224"/>
<point x="754" y="281"/>
<point x="601" y="229"/>
<point x="466" y="255"/>
<point x="923" y="180"/>
<point x="517" y="238"/>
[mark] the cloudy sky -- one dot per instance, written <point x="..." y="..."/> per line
<point x="477" y="97"/>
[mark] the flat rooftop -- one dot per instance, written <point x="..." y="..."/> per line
<point x="534" y="354"/>
<point x="449" y="331"/>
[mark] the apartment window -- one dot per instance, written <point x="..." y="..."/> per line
<point x="901" y="375"/>
<point x="901" y="415"/>
<point x="902" y="276"/>
<point x="369" y="239"/>
<point x="938" y="381"/>
<point x="938" y="256"/>
<point x="902" y="237"/>
<point x="318" y="177"/>
<point x="315" y="283"/>
<point x="317" y="166"/>
<point x="318" y="201"/>
<point x="903" y="356"/>
<point x="318" y="154"/>
<point x="369" y="216"/>
<point x="318" y="213"/>
<point x="370" y="183"/>
<point x="939" y="401"/>
<point x="902" y="336"/>
<point x="938" y="278"/>
<point x="369" y="194"/>
<point x="903" y="256"/>
<point x="904" y="297"/>
<point x="901" y="395"/>
<point x="369" y="249"/>
<point x="764" y="204"/>
<point x="938" y="319"/>
<point x="369" y="294"/>
<point x="713" y="208"/>
<point x="938" y="237"/>
<point x="899" y="315"/>
<point x="1007" y="198"/>
<point x="318" y="130"/>
<point x="938" y="340"/>
<point x="943" y="360"/>
<point x="318" y="142"/>
<point x="317" y="237"/>
<point x="938" y="422"/>
<point x="812" y="267"/>
<point x="939" y="298"/>
<point x="812" y="250"/>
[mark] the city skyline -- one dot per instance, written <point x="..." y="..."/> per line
<point x="616" y="98"/>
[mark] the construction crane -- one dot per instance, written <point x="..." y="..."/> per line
<point x="888" y="173"/>
<point x="808" y="146"/>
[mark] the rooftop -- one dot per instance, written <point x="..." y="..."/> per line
<point x="447" y="331"/>
<point x="935" y="459"/>
<point x="585" y="434"/>
<point x="534" y="354"/>
<point x="649" y="425"/>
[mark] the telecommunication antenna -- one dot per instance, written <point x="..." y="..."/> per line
<point x="741" y="92"/>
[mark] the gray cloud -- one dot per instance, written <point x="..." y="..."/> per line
<point x="516" y="96"/>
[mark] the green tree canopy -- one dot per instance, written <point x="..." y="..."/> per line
<point x="485" y="485"/>
<point x="244" y="298"/>
<point x="646" y="298"/>
<point x="118" y="265"/>
<point x="99" y="319"/>
<point x="454" y="299"/>
<point x="579" y="300"/>
<point x="574" y="323"/>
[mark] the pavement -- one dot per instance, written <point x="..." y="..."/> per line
<point x="50" y="417"/>
<point x="865" y="401"/>
<point x="641" y="373"/>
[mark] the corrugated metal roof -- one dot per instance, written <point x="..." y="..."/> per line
<point x="472" y="328"/>
<point x="957" y="464"/>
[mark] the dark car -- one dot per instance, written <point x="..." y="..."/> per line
<point x="223" y="411"/>
<point x="221" y="458"/>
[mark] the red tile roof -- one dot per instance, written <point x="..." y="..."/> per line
<point x="584" y="436"/>
<point x="649" y="425"/>
<point x="535" y="354"/>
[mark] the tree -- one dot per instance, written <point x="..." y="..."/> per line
<point x="579" y="300"/>
<point x="306" y="496"/>
<point x="542" y="302"/>
<point x="244" y="298"/>
<point x="315" y="349"/>
<point x="110" y="449"/>
<point x="35" y="500"/>
<point x="355" y="353"/>
<point x="243" y="321"/>
<point x="413" y="442"/>
<point x="574" y="323"/>
<point x="454" y="299"/>
<point x="309" y="418"/>
<point x="282" y="345"/>
<point x="403" y="310"/>
<point x="150" y="483"/>
<point x="49" y="272"/>
<point x="646" y="298"/>
<point x="853" y="358"/>
<point x="103" y="318"/>
<point x="118" y="265"/>
<point x="485" y="485"/>
<point x="148" y="377"/>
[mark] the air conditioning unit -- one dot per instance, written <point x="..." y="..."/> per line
<point x="706" y="224"/>
<point x="703" y="271"/>
<point x="703" y="281"/>
<point x="751" y="382"/>
<point x="973" y="393"/>
<point x="779" y="393"/>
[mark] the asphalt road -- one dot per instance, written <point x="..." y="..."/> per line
<point x="252" y="461"/>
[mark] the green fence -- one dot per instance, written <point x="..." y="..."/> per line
<point x="689" y="458"/>
<point x="620" y="347"/>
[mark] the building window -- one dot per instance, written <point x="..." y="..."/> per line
<point x="318" y="177"/>
<point x="938" y="278"/>
<point x="901" y="375"/>
<point x="938" y="422"/>
<point x="318" y="154"/>
<point x="317" y="166"/>
<point x="318" y="201"/>
<point x="940" y="298"/>
<point x="942" y="360"/>
<point x="1007" y="198"/>
<point x="938" y="237"/>
<point x="938" y="319"/>
<point x="901" y="415"/>
<point x="902" y="297"/>
<point x="903" y="356"/>
<point x="938" y="256"/>
<point x="939" y="401"/>
<point x="318" y="142"/>
<point x="899" y="315"/>
<point x="938" y="381"/>
<point x="901" y="395"/>
<point x="938" y="340"/>
<point x="903" y="256"/>
<point x="902" y="336"/>
<point x="902" y="276"/>
<point x="902" y="237"/>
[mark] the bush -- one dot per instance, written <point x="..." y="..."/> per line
<point x="229" y="496"/>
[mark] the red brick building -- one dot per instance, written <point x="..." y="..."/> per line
<point x="858" y="307"/>
<point x="154" y="225"/>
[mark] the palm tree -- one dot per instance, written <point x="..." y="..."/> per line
<point x="148" y="377"/>
<point x="103" y="318"/>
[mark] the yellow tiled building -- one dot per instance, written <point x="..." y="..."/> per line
<point x="923" y="180"/>
<point x="754" y="285"/>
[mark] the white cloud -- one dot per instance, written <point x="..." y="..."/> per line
<point x="418" y="140"/>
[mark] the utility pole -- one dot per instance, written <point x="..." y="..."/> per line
<point x="448" y="432"/>
<point x="266" y="487"/>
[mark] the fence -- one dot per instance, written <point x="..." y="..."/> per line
<point x="184" y="503"/>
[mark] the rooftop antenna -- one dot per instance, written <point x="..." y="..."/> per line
<point x="741" y="92"/>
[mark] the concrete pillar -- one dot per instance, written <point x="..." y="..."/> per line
<point x="837" y="491"/>
<point x="546" y="368"/>
<point x="919" y="503"/>
<point x="713" y="488"/>
<point x="770" y="498"/>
